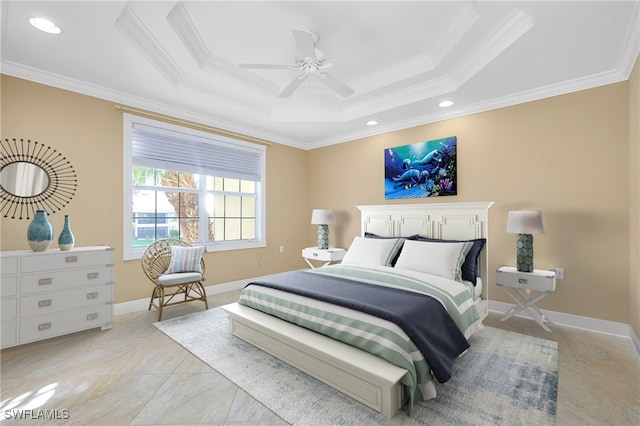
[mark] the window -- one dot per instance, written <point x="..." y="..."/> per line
<point x="183" y="183"/>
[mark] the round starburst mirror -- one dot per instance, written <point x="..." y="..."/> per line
<point x="33" y="176"/>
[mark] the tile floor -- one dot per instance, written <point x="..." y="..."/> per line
<point x="134" y="375"/>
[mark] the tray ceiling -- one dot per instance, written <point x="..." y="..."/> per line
<point x="400" y="58"/>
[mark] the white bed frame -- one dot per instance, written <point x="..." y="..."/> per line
<point x="358" y="374"/>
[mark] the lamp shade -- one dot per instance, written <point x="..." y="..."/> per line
<point x="525" y="222"/>
<point x="323" y="217"/>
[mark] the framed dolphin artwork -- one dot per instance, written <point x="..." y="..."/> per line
<point x="424" y="169"/>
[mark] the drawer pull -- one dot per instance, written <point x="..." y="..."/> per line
<point x="71" y="259"/>
<point x="44" y="303"/>
<point x="93" y="275"/>
<point x="315" y="254"/>
<point x="92" y="317"/>
<point x="45" y="281"/>
<point x="44" y="326"/>
<point x="92" y="295"/>
<point x="522" y="280"/>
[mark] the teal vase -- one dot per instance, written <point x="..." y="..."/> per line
<point x="66" y="240"/>
<point x="40" y="232"/>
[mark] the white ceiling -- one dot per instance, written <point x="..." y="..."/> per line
<point x="401" y="58"/>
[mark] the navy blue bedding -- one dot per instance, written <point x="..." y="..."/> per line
<point x="421" y="317"/>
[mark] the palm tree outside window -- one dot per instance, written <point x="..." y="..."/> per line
<point x="193" y="186"/>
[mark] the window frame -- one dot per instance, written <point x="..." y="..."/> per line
<point x="130" y="252"/>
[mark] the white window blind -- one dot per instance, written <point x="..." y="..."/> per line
<point x="164" y="147"/>
<point x="173" y="150"/>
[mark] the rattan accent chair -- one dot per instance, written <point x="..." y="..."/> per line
<point x="173" y="288"/>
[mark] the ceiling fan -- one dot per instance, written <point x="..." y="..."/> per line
<point x="311" y="62"/>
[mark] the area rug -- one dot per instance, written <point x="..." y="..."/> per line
<point x="505" y="378"/>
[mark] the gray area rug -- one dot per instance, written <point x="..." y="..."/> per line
<point x="505" y="378"/>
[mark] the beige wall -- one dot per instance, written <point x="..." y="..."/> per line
<point x="88" y="131"/>
<point x="566" y="155"/>
<point x="634" y="198"/>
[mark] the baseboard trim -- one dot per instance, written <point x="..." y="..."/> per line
<point x="560" y="318"/>
<point x="583" y="323"/>
<point x="143" y="304"/>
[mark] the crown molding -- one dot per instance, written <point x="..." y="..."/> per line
<point x="455" y="31"/>
<point x="54" y="80"/>
<point x="139" y="36"/>
<point x="373" y="99"/>
<point x="408" y="95"/>
<point x="459" y="26"/>
<point x="186" y="31"/>
<point x="49" y="79"/>
<point x="632" y="44"/>
<point x="188" y="34"/>
<point x="508" y="32"/>
<point x="611" y="77"/>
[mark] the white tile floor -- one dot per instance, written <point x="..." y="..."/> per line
<point x="134" y="375"/>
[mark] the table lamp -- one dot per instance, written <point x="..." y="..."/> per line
<point x="323" y="218"/>
<point x="525" y="223"/>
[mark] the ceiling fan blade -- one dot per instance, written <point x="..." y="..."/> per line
<point x="268" y="66"/>
<point x="295" y="83"/>
<point x="306" y="45"/>
<point x="336" y="85"/>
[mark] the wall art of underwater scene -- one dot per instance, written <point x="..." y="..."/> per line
<point x="424" y="169"/>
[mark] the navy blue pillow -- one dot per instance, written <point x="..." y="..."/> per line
<point x="410" y="237"/>
<point x="470" y="266"/>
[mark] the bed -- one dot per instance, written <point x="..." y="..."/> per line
<point x="328" y="322"/>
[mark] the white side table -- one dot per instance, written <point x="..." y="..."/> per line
<point x="526" y="289"/>
<point x="329" y="256"/>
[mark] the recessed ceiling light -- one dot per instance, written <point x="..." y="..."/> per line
<point x="45" y="25"/>
<point x="372" y="123"/>
<point x="445" y="104"/>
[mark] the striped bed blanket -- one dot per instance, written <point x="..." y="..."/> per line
<point x="291" y="297"/>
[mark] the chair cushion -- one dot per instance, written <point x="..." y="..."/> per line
<point x="179" y="278"/>
<point x="185" y="259"/>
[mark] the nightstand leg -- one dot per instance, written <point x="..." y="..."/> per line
<point x="313" y="267"/>
<point x="524" y="303"/>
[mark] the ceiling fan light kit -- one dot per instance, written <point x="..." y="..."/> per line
<point x="311" y="61"/>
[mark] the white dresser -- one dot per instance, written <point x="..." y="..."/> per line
<point x="55" y="292"/>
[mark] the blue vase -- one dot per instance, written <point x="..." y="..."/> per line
<point x="40" y="232"/>
<point x="66" y="240"/>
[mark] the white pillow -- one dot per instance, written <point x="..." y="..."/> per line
<point x="185" y="259"/>
<point x="372" y="251"/>
<point x="433" y="258"/>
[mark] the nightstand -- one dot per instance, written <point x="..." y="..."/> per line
<point x="526" y="289"/>
<point x="328" y="256"/>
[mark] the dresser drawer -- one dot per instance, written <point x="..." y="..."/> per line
<point x="8" y="286"/>
<point x="65" y="260"/>
<point x="9" y="333"/>
<point x="45" y="326"/>
<point x="8" y="265"/>
<point x="51" y="293"/>
<point x="60" y="280"/>
<point x="44" y="303"/>
<point x="9" y="309"/>
<point x="537" y="280"/>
